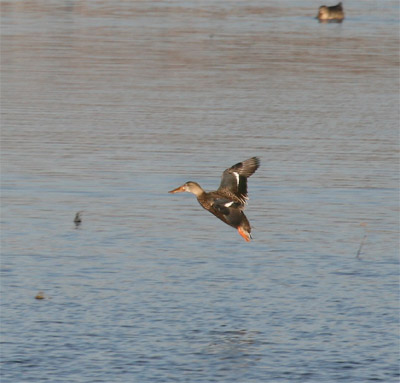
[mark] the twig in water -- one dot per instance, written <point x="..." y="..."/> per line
<point x="361" y="245"/>
<point x="362" y="241"/>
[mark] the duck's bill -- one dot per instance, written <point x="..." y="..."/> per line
<point x="180" y="189"/>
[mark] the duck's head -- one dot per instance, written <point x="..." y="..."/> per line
<point x="190" y="187"/>
<point x="323" y="12"/>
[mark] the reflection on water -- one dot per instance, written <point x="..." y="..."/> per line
<point x="107" y="106"/>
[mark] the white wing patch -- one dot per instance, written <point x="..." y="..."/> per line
<point x="236" y="174"/>
<point x="229" y="204"/>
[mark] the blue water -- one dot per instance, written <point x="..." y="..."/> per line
<point x="107" y="106"/>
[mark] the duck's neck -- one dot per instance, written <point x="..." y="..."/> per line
<point x="196" y="189"/>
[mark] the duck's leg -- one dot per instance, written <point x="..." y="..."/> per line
<point x="244" y="233"/>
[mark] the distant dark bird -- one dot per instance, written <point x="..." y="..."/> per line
<point x="228" y="202"/>
<point x="78" y="219"/>
<point x="333" y="13"/>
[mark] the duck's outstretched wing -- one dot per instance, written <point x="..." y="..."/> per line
<point x="234" y="179"/>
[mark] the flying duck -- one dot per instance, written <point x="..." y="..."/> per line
<point x="228" y="202"/>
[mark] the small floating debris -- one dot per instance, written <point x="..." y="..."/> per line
<point x="40" y="295"/>
<point x="78" y="219"/>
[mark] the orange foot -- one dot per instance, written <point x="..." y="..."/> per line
<point x="244" y="234"/>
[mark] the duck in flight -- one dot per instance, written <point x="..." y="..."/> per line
<point x="228" y="202"/>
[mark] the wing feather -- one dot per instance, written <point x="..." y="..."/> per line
<point x="234" y="179"/>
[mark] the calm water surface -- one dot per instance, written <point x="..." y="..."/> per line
<point x="108" y="105"/>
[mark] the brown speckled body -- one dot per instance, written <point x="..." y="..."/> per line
<point x="333" y="13"/>
<point x="236" y="215"/>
